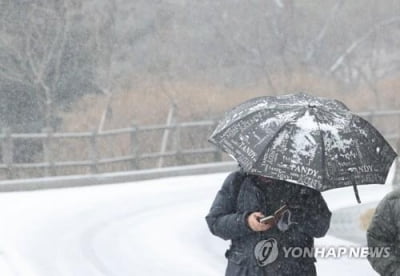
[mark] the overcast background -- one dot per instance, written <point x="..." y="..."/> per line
<point x="71" y="65"/>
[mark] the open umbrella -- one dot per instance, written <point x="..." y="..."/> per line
<point x="313" y="141"/>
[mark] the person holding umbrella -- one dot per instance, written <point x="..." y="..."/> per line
<point x="289" y="148"/>
<point x="257" y="247"/>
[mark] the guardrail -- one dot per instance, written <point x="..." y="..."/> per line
<point x="56" y="182"/>
<point x="133" y="154"/>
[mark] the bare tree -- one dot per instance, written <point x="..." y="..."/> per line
<point x="358" y="41"/>
<point x="32" y="56"/>
<point x="105" y="43"/>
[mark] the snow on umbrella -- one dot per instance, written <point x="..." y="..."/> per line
<point x="313" y="141"/>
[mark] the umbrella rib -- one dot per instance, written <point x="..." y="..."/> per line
<point x="266" y="147"/>
<point x="323" y="157"/>
<point x="248" y="115"/>
<point x="217" y="130"/>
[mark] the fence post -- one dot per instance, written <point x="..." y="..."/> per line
<point x="49" y="169"/>
<point x="7" y="152"/>
<point x="94" y="155"/>
<point x="217" y="153"/>
<point x="371" y="116"/>
<point x="165" y="136"/>
<point x="178" y="144"/>
<point x="134" y="146"/>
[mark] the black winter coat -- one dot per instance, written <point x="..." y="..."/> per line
<point x="384" y="233"/>
<point x="243" y="194"/>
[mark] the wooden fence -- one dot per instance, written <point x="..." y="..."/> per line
<point x="388" y="122"/>
<point x="133" y="156"/>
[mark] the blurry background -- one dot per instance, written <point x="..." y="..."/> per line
<point x="110" y="85"/>
<point x="96" y="86"/>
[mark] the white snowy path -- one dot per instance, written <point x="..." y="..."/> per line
<point x="152" y="227"/>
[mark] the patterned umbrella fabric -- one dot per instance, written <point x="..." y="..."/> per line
<point x="313" y="141"/>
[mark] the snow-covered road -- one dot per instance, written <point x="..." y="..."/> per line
<point x="154" y="227"/>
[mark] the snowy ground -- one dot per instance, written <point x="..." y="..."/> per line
<point x="154" y="227"/>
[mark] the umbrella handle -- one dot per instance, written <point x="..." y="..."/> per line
<point x="353" y="180"/>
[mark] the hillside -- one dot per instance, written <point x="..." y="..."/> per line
<point x="204" y="56"/>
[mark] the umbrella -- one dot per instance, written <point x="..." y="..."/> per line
<point x="312" y="141"/>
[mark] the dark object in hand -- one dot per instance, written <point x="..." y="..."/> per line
<point x="273" y="219"/>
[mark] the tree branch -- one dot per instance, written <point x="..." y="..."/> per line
<point x="338" y="62"/>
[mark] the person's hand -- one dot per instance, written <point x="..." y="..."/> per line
<point x="255" y="225"/>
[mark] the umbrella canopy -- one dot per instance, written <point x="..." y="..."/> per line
<point x="313" y="141"/>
